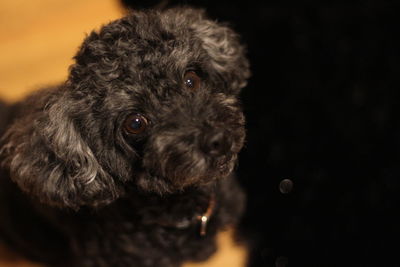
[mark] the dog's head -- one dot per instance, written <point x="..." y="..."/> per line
<point x="151" y="102"/>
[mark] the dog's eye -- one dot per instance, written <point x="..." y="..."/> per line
<point x="191" y="80"/>
<point x="135" y="124"/>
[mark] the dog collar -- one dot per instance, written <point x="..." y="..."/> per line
<point x="205" y="217"/>
<point x="202" y="219"/>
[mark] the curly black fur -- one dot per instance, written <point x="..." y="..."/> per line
<point x="97" y="195"/>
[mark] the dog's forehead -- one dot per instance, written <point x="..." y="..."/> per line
<point x="142" y="59"/>
<point x="156" y="55"/>
<point x="166" y="50"/>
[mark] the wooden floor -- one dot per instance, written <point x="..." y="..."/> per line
<point x="38" y="39"/>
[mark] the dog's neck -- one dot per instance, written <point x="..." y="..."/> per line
<point x="193" y="208"/>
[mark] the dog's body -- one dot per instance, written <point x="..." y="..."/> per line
<point x="129" y="163"/>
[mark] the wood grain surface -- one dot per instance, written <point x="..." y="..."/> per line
<point x="38" y="39"/>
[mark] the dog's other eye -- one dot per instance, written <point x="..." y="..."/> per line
<point x="135" y="124"/>
<point x="191" y="80"/>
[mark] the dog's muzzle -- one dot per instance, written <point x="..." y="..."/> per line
<point x="177" y="159"/>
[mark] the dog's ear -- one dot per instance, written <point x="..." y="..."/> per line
<point x="226" y="54"/>
<point x="49" y="159"/>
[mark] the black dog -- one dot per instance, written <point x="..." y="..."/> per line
<point x="129" y="163"/>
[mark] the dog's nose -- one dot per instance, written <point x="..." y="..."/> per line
<point x="216" y="144"/>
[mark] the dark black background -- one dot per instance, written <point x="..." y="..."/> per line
<point x="322" y="110"/>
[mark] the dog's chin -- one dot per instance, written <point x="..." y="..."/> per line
<point x="149" y="181"/>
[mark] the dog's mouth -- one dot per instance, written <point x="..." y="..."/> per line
<point x="153" y="180"/>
